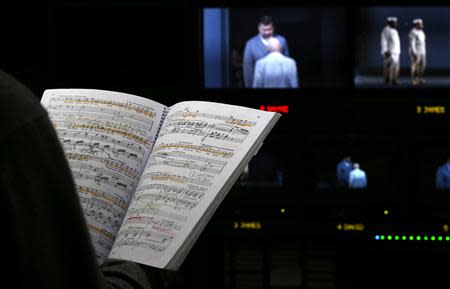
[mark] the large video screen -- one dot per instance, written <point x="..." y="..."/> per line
<point x="274" y="48"/>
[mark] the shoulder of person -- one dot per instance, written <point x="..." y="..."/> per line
<point x="18" y="105"/>
<point x="281" y="38"/>
<point x="253" y="39"/>
<point x="261" y="61"/>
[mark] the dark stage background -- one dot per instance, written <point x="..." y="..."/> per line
<point x="285" y="224"/>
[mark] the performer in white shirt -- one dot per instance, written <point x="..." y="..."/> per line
<point x="275" y="70"/>
<point x="357" y="178"/>
<point x="417" y="51"/>
<point x="390" y="49"/>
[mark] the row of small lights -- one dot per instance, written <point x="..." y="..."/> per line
<point x="411" y="238"/>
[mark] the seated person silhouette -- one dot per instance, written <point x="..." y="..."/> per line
<point x="45" y="238"/>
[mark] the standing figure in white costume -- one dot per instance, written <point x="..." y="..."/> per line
<point x="357" y="178"/>
<point x="418" y="52"/>
<point x="390" y="49"/>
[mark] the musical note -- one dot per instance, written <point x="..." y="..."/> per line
<point x="140" y="244"/>
<point x="227" y="119"/>
<point x="197" y="179"/>
<point x="208" y="149"/>
<point x="98" y="140"/>
<point x="80" y="100"/>
<point x="188" y="161"/>
<point x="148" y="209"/>
<point x="153" y="220"/>
<point x="110" y="163"/>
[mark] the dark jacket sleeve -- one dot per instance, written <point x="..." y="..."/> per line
<point x="440" y="185"/>
<point x="248" y="65"/>
<point x="129" y="275"/>
<point x="284" y="45"/>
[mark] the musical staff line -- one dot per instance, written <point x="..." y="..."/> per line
<point x="102" y="195"/>
<point x="187" y="161"/>
<point x="140" y="109"/>
<point x="198" y="148"/>
<point x="100" y="112"/>
<point x="99" y="128"/>
<point x="228" y="119"/>
<point x="102" y="232"/>
<point x="159" y="176"/>
<point x="110" y="163"/>
<point x="149" y="210"/>
<point x="99" y="138"/>
<point x="146" y="220"/>
<point x="174" y="202"/>
<point x="179" y="192"/>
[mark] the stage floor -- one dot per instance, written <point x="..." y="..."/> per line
<point x="363" y="81"/>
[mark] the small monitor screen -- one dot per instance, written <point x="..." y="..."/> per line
<point x="274" y="48"/>
<point x="403" y="47"/>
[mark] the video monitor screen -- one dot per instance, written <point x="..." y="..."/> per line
<point x="432" y="169"/>
<point x="356" y="163"/>
<point x="274" y="48"/>
<point x="403" y="47"/>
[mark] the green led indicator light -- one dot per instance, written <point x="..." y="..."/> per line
<point x="418" y="238"/>
<point x="411" y="238"/>
<point x="382" y="237"/>
<point x="386" y="212"/>
<point x="389" y="237"/>
<point x="440" y="238"/>
<point x="403" y="238"/>
<point x="447" y="238"/>
<point x="396" y="238"/>
<point x="433" y="238"/>
<point x="425" y="238"/>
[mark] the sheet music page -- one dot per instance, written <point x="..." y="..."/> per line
<point x="199" y="147"/>
<point x="107" y="137"/>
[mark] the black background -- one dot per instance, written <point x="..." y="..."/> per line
<point x="152" y="49"/>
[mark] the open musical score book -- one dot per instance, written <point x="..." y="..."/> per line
<point x="149" y="177"/>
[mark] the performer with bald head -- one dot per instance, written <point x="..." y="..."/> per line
<point x="357" y="178"/>
<point x="275" y="70"/>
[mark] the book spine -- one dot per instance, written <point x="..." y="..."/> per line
<point x="163" y="118"/>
